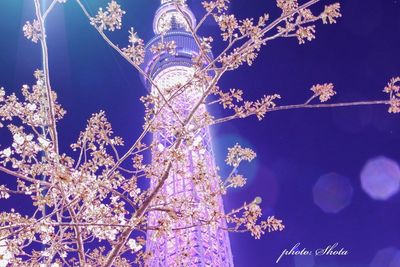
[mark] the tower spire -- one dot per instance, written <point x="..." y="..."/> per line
<point x="168" y="13"/>
<point x="175" y="1"/>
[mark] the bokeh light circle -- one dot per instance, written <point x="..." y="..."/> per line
<point x="304" y="261"/>
<point x="380" y="178"/>
<point x="332" y="192"/>
<point x="387" y="257"/>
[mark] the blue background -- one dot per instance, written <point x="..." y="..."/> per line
<point x="359" y="55"/>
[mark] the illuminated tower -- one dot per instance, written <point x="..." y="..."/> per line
<point x="191" y="244"/>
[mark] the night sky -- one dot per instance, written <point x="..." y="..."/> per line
<point x="295" y="148"/>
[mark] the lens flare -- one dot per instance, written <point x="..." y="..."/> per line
<point x="380" y="178"/>
<point x="332" y="193"/>
<point x="304" y="261"/>
<point x="387" y="257"/>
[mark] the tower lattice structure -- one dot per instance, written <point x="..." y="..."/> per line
<point x="190" y="243"/>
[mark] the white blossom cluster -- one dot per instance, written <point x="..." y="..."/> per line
<point x="110" y="19"/>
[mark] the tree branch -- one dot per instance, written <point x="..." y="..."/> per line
<point x="46" y="71"/>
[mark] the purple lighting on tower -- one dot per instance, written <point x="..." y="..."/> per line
<point x="192" y="244"/>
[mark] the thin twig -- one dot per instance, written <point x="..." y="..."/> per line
<point x="47" y="12"/>
<point x="307" y="106"/>
<point x="23" y="177"/>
